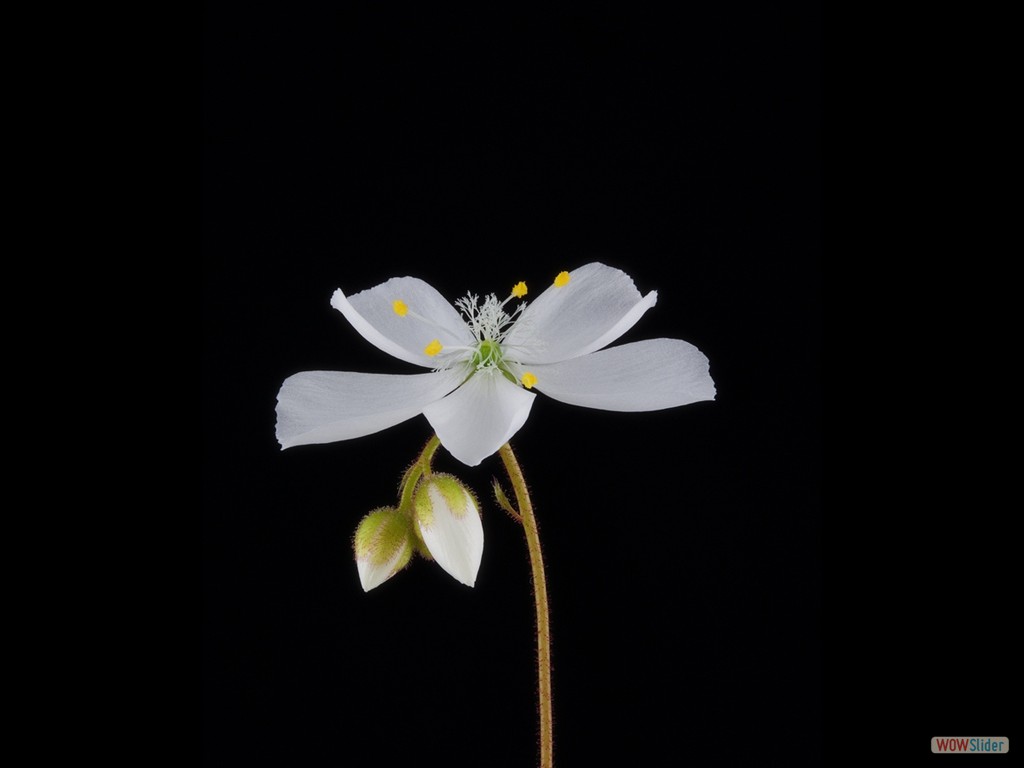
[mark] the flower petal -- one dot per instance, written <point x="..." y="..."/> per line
<point x="642" y="376"/>
<point x="479" y="417"/>
<point x="373" y="573"/>
<point x="427" y="316"/>
<point x="595" y="307"/>
<point x="452" y="532"/>
<point x="326" y="406"/>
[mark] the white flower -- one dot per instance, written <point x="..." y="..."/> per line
<point x="485" y="359"/>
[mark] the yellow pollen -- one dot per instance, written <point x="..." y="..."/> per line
<point x="519" y="290"/>
<point x="432" y="348"/>
<point x="529" y="380"/>
<point x="399" y="306"/>
<point x="562" y="280"/>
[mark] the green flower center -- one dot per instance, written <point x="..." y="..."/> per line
<point x="487" y="353"/>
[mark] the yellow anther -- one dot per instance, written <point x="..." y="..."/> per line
<point x="432" y="348"/>
<point x="528" y="380"/>
<point x="399" y="306"/>
<point x="562" y="280"/>
<point x="519" y="290"/>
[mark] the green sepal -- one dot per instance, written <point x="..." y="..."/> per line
<point x="419" y="544"/>
<point x="383" y="533"/>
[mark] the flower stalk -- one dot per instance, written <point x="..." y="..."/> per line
<point x="419" y="468"/>
<point x="540" y="596"/>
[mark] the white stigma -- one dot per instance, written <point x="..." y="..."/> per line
<point x="488" y="321"/>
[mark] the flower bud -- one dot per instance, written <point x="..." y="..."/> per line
<point x="383" y="545"/>
<point x="448" y="520"/>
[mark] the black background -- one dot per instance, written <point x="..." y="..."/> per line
<point x="706" y="602"/>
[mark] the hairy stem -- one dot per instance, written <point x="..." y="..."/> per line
<point x="412" y="475"/>
<point x="540" y="596"/>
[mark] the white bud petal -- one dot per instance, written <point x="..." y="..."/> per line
<point x="374" y="573"/>
<point x="449" y="522"/>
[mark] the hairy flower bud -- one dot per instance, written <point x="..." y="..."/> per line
<point x="448" y="520"/>
<point x="383" y="545"/>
